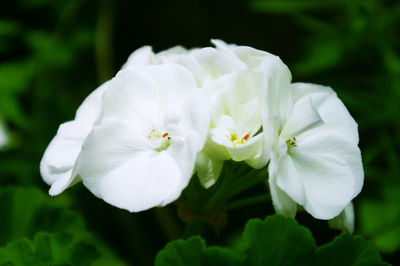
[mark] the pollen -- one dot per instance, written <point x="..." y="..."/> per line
<point x="246" y="137"/>
<point x="164" y="135"/>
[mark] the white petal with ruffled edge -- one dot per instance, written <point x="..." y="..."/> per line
<point x="56" y="166"/>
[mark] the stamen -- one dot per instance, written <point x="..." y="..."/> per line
<point x="234" y="137"/>
<point x="291" y="142"/>
<point x="236" y="141"/>
<point x="160" y="141"/>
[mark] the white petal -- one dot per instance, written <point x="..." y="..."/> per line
<point x="60" y="156"/>
<point x="327" y="177"/>
<point x="139" y="58"/>
<point x="184" y="152"/>
<point x="303" y="117"/>
<point x="252" y="57"/>
<point x="345" y="220"/>
<point x="327" y="142"/>
<point x="65" y="147"/>
<point x="215" y="150"/>
<point x="331" y="109"/>
<point x="111" y="142"/>
<point x="147" y="180"/>
<point x="90" y="109"/>
<point x="132" y="95"/>
<point x="245" y="99"/>
<point x="176" y="50"/>
<point x="222" y="133"/>
<point x="270" y="137"/>
<point x="190" y="63"/>
<point x="174" y="83"/>
<point x="288" y="179"/>
<point x="247" y="150"/>
<point x="208" y="169"/>
<point x="59" y="159"/>
<point x="279" y="96"/>
<point x="258" y="161"/>
<point x="142" y="97"/>
<point x="217" y="63"/>
<point x="248" y="117"/>
<point x="195" y="115"/>
<point x="283" y="204"/>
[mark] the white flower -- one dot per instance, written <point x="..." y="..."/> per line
<point x="142" y="150"/>
<point x="238" y="107"/>
<point x="56" y="166"/>
<point x="315" y="162"/>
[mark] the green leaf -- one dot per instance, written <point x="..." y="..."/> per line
<point x="348" y="250"/>
<point x="194" y="252"/>
<point x="26" y="211"/>
<point x="49" y="249"/>
<point x="277" y="241"/>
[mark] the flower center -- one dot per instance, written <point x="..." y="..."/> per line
<point x="291" y="143"/>
<point x="237" y="141"/>
<point x="158" y="140"/>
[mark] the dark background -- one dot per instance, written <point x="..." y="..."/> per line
<point x="54" y="53"/>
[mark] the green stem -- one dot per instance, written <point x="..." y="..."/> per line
<point x="229" y="189"/>
<point x="219" y="194"/>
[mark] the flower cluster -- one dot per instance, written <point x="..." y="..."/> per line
<point x="137" y="140"/>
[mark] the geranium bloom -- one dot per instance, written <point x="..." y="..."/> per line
<point x="137" y="140"/>
<point x="315" y="162"/>
<point x="142" y="150"/>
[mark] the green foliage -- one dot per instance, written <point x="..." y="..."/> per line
<point x="348" y="250"/>
<point x="62" y="237"/>
<point x="24" y="211"/>
<point x="48" y="249"/>
<point x="194" y="252"/>
<point x="275" y="241"/>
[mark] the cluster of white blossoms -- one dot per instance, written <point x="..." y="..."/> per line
<point x="138" y="139"/>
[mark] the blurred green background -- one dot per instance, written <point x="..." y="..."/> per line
<point x="54" y="53"/>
